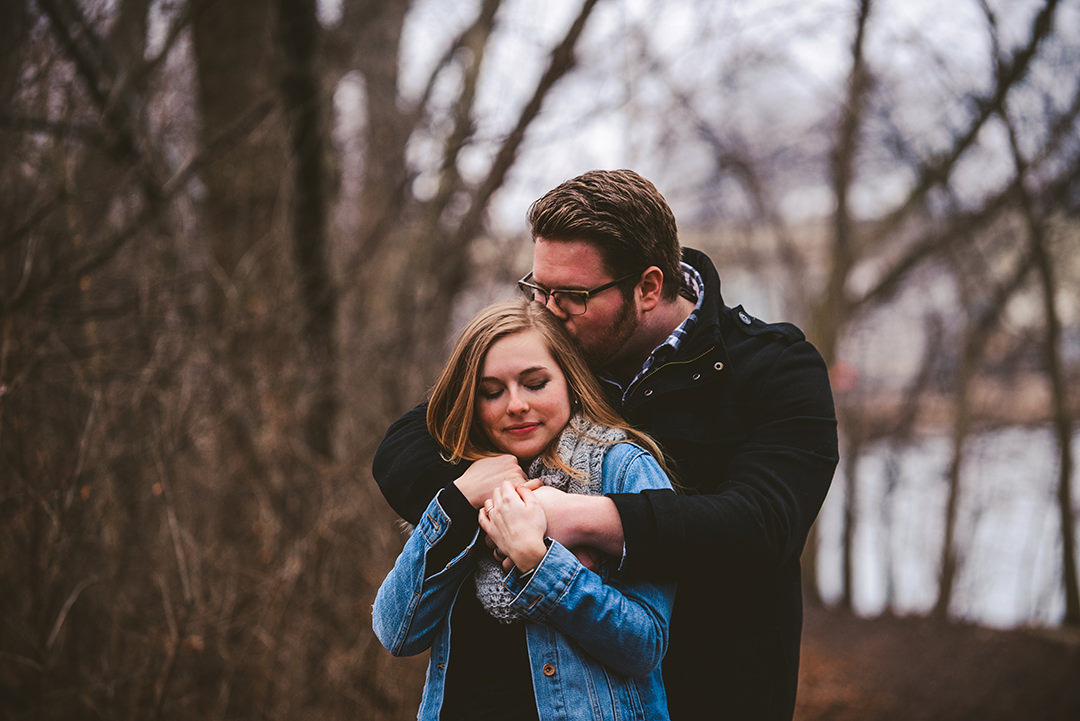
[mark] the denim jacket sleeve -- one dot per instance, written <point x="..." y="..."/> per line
<point x="414" y="599"/>
<point x="624" y="625"/>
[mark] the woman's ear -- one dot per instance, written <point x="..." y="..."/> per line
<point x="650" y="287"/>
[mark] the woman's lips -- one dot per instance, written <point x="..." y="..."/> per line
<point x="522" y="429"/>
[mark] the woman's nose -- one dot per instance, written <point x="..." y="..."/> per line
<point x="517" y="403"/>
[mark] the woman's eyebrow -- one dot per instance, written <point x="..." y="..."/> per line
<point x="533" y="369"/>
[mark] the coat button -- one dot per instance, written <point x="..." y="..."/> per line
<point x="718" y="366"/>
<point x="696" y="377"/>
<point x="745" y="318"/>
<point x="648" y="393"/>
<point x="549" y="670"/>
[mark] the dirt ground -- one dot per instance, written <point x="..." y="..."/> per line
<point x="917" y="669"/>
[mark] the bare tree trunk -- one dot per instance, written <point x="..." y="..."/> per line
<point x="960" y="431"/>
<point x="832" y="313"/>
<point x="298" y="31"/>
<point x="901" y="433"/>
<point x="234" y="64"/>
<point x="377" y="30"/>
<point x="14" y="25"/>
<point x="249" y="398"/>
<point x="1059" y="388"/>
<point x="14" y="33"/>
<point x="851" y="505"/>
<point x="976" y="338"/>
<point x="1062" y="420"/>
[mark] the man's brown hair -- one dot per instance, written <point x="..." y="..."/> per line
<point x="622" y="214"/>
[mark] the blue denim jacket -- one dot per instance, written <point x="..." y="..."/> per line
<point x="594" y="644"/>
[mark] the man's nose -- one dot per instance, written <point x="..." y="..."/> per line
<point x="553" y="306"/>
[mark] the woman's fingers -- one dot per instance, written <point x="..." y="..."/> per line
<point x="514" y="522"/>
<point x="504" y="495"/>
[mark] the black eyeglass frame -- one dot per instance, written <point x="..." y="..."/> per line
<point x="530" y="289"/>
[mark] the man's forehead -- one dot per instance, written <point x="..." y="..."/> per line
<point x="568" y="264"/>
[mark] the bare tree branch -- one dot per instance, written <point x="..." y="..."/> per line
<point x="560" y="62"/>
<point x="180" y="23"/>
<point x="475" y="39"/>
<point x="937" y="169"/>
<point x="58" y="128"/>
<point x="480" y="28"/>
<point x="85" y="50"/>
<point x="107" y="250"/>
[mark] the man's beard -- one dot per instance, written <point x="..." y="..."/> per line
<point x="610" y="345"/>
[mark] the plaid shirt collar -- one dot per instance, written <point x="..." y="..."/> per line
<point x="693" y="288"/>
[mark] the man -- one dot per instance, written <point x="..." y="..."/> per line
<point x="741" y="408"/>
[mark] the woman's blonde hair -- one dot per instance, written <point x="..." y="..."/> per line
<point x="451" y="414"/>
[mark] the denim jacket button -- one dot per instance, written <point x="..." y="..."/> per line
<point x="549" y="669"/>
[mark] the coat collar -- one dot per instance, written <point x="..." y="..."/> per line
<point x="708" y="331"/>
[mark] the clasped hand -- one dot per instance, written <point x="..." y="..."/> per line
<point x="515" y="523"/>
<point x="544" y="510"/>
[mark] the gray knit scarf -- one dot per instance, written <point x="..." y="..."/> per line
<point x="581" y="446"/>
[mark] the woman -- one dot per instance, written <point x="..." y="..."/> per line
<point x="549" y="638"/>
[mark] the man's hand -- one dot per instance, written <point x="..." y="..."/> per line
<point x="559" y="508"/>
<point x="487" y="474"/>
<point x="580" y="521"/>
<point x="590" y="558"/>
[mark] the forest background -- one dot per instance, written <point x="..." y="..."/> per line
<point x="236" y="237"/>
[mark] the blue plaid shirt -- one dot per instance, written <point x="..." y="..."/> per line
<point x="693" y="288"/>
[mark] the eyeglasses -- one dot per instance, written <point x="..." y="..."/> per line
<point x="571" y="302"/>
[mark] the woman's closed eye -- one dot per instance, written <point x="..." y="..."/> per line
<point x="493" y="391"/>
<point x="490" y="394"/>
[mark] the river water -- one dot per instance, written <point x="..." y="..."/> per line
<point x="1008" y="529"/>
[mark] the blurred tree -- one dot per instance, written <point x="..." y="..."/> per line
<point x="830" y="311"/>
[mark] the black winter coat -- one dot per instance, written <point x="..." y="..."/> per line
<point x="744" y="413"/>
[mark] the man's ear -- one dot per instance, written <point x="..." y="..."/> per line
<point x="650" y="287"/>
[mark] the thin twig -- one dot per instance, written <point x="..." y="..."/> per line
<point x="65" y="609"/>
<point x="174" y="528"/>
